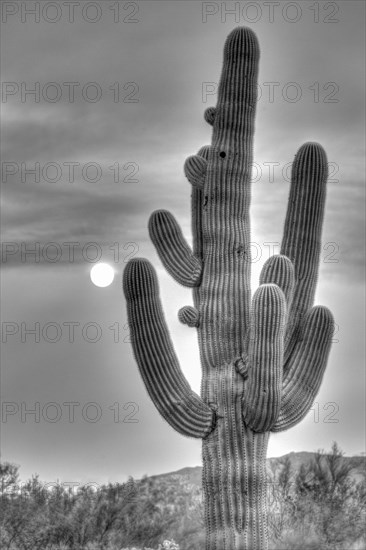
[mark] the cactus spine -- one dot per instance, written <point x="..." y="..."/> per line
<point x="263" y="358"/>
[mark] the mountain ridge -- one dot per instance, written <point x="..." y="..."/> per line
<point x="193" y="474"/>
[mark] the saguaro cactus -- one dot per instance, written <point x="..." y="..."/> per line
<point x="263" y="358"/>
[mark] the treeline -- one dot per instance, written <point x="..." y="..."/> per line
<point x="320" y="506"/>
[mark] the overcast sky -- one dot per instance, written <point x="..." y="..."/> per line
<point x="118" y="106"/>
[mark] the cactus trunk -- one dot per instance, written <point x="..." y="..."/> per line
<point x="262" y="357"/>
<point x="234" y="475"/>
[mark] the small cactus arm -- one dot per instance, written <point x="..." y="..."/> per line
<point x="262" y="358"/>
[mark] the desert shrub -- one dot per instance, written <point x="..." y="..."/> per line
<point x="318" y="507"/>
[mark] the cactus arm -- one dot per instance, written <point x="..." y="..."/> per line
<point x="264" y="363"/>
<point x="195" y="169"/>
<point x="159" y="368"/>
<point x="173" y="250"/>
<point x="279" y="270"/>
<point x="301" y="241"/>
<point x="196" y="211"/>
<point x="262" y="398"/>
<point x="303" y="378"/>
<point x="183" y="264"/>
<point x="209" y="115"/>
<point x="308" y="334"/>
<point x="189" y="316"/>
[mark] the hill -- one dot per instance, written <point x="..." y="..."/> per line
<point x="193" y="475"/>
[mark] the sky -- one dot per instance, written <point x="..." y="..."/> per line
<point x="119" y="91"/>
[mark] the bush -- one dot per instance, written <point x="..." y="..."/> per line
<point x="320" y="504"/>
<point x="318" y="507"/>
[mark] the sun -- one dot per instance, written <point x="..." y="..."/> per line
<point x="102" y="274"/>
